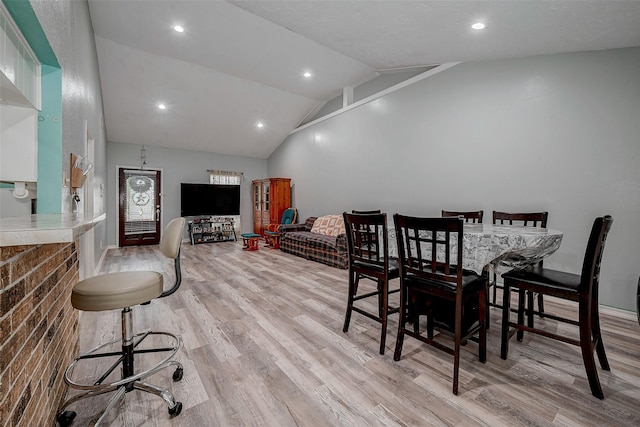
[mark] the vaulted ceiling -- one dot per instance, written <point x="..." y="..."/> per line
<point x="240" y="63"/>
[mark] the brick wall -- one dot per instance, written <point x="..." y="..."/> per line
<point x="38" y="330"/>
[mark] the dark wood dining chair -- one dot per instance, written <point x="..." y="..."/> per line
<point x="369" y="259"/>
<point x="528" y="219"/>
<point x="372" y="238"/>
<point x="468" y="216"/>
<point x="432" y="282"/>
<point x="582" y="289"/>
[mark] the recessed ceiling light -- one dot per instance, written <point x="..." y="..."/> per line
<point x="178" y="29"/>
<point x="260" y="124"/>
<point x="478" y="26"/>
<point x="307" y="74"/>
<point x="162" y="106"/>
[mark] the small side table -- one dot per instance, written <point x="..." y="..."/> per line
<point x="250" y="241"/>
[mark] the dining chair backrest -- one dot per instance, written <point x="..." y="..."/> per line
<point x="376" y="211"/>
<point x="424" y="248"/>
<point x="364" y="232"/>
<point x="526" y="219"/>
<point x="590" y="277"/>
<point x="529" y="219"/>
<point x="468" y="216"/>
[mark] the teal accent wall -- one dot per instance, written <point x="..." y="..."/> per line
<point x="50" y="142"/>
<point x="24" y="16"/>
<point x="50" y="116"/>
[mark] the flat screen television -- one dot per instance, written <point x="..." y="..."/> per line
<point x="209" y="199"/>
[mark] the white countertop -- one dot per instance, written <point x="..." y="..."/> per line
<point x="45" y="228"/>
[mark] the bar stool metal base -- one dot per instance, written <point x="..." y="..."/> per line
<point x="129" y="379"/>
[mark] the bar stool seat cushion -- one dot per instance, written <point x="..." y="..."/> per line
<point x="116" y="290"/>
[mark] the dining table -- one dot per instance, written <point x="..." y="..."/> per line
<point x="498" y="246"/>
<point x="489" y="247"/>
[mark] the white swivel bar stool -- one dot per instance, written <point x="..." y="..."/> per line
<point x="124" y="290"/>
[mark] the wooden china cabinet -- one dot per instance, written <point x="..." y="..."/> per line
<point x="271" y="196"/>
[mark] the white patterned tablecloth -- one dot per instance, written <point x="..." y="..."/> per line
<point x="506" y="245"/>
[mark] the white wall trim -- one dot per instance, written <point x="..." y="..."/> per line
<point x="382" y="93"/>
<point x="101" y="260"/>
<point x="618" y="312"/>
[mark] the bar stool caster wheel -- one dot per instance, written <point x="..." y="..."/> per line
<point x="65" y="418"/>
<point x="175" y="411"/>
<point x="177" y="374"/>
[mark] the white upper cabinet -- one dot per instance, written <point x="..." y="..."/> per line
<point x="20" y="100"/>
<point x="20" y="69"/>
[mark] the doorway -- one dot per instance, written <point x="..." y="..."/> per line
<point x="139" y="207"/>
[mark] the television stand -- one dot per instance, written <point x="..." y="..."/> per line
<point x="211" y="230"/>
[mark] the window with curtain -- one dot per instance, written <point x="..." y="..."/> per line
<point x="225" y="177"/>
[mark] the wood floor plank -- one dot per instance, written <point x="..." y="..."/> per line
<point x="263" y="346"/>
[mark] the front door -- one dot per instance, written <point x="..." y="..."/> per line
<point x="139" y="207"/>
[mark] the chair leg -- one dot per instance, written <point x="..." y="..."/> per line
<point x="380" y="292"/>
<point x="530" y="301"/>
<point x="99" y="417"/>
<point x="521" y="300"/>
<point x="416" y="322"/>
<point x="414" y="314"/>
<point x="540" y="304"/>
<point x="430" y="323"/>
<point x="402" y="313"/>
<point x="161" y="392"/>
<point x="589" y="362"/>
<point x="592" y="373"/>
<point x="506" y="312"/>
<point x="353" y="277"/>
<point x="456" y="351"/>
<point x="602" y="357"/>
<point x="482" y="348"/>
<point x="397" y="354"/>
<point x="495" y="288"/>
<point x="384" y="309"/>
<point x="487" y="314"/>
<point x="587" y="347"/>
<point x="597" y="336"/>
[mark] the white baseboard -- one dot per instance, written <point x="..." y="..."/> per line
<point x="102" y="256"/>
<point x="618" y="312"/>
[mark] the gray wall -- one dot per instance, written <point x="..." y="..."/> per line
<point x="68" y="28"/>
<point x="559" y="133"/>
<point x="179" y="166"/>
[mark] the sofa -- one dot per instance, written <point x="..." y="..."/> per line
<point x="322" y="239"/>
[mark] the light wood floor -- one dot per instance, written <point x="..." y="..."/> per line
<point x="263" y="346"/>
